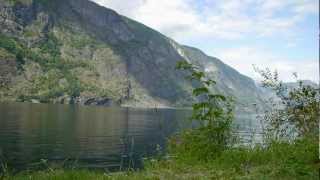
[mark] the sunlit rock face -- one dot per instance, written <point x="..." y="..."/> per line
<point x="72" y="51"/>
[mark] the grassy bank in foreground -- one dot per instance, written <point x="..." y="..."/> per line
<point x="298" y="160"/>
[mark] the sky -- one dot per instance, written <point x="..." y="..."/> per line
<point x="282" y="35"/>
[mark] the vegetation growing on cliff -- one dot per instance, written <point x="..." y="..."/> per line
<point x="14" y="48"/>
<point x="14" y="2"/>
<point x="46" y="87"/>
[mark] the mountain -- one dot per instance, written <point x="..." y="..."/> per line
<point x="268" y="92"/>
<point x="75" y="51"/>
<point x="293" y="85"/>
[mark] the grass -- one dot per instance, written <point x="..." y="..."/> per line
<point x="280" y="160"/>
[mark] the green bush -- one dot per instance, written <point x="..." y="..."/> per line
<point x="213" y="112"/>
<point x="297" y="113"/>
<point x="51" y="46"/>
<point x="13" y="47"/>
<point x="74" y="86"/>
<point x="278" y="160"/>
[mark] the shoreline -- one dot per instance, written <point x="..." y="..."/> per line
<point x="101" y="106"/>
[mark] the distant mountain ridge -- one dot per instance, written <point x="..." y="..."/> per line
<point x="75" y="51"/>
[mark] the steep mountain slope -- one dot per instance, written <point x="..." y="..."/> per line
<point x="231" y="82"/>
<point x="74" y="51"/>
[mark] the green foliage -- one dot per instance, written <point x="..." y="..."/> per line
<point x="22" y="52"/>
<point x="48" y="57"/>
<point x="214" y="112"/>
<point x="13" y="47"/>
<point x="51" y="46"/>
<point x="45" y="88"/>
<point x="74" y="86"/>
<point x="9" y="44"/>
<point x="278" y="160"/>
<point x="51" y="85"/>
<point x="81" y="41"/>
<point x="298" y="113"/>
<point x="4" y="54"/>
<point x="14" y="2"/>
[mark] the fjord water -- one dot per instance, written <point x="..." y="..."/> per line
<point x="96" y="137"/>
<point x="90" y="137"/>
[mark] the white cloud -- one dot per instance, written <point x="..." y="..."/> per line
<point x="173" y="17"/>
<point x="224" y="19"/>
<point x="244" y="58"/>
<point x="306" y="8"/>
<point x="124" y="7"/>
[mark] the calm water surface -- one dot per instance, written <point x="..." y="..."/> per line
<point x="90" y="137"/>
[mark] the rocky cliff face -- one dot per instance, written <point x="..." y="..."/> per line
<point x="231" y="81"/>
<point x="74" y="51"/>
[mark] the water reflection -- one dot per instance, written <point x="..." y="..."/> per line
<point x="91" y="137"/>
<point x="94" y="136"/>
